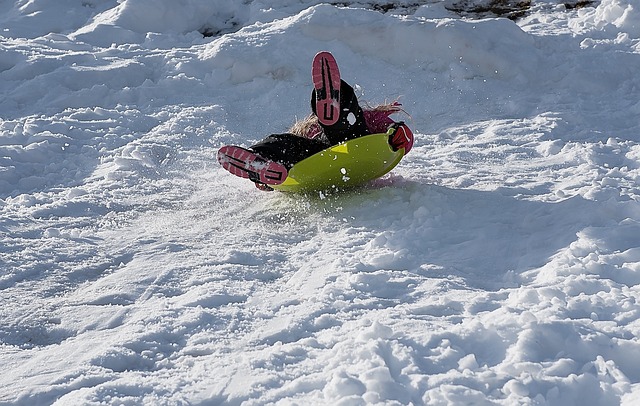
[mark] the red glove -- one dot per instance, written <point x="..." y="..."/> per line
<point x="402" y="137"/>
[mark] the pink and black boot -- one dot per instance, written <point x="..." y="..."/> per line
<point x="326" y="81"/>
<point x="246" y="164"/>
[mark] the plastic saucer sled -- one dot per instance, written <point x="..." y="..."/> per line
<point x="344" y="165"/>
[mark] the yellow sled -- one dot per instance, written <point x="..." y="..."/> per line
<point x="343" y="166"/>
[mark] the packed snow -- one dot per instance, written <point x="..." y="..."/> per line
<point x="497" y="264"/>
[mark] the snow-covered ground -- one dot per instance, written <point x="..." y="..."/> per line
<point x="499" y="263"/>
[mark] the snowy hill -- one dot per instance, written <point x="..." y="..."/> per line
<point x="499" y="263"/>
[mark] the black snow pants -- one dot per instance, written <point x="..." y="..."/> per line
<point x="289" y="149"/>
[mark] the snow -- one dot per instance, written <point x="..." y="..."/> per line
<point x="499" y="263"/>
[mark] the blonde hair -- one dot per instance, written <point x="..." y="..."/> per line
<point x="392" y="107"/>
<point x="310" y="123"/>
<point x="305" y="126"/>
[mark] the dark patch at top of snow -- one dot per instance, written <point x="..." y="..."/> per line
<point x="512" y="9"/>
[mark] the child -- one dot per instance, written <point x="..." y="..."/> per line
<point x="336" y="117"/>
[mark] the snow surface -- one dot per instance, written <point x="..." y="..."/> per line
<point x="499" y="263"/>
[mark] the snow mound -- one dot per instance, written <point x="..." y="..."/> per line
<point x="497" y="264"/>
<point x="619" y="17"/>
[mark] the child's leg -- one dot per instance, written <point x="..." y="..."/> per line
<point x="287" y="149"/>
<point x="269" y="161"/>
<point x="351" y="123"/>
